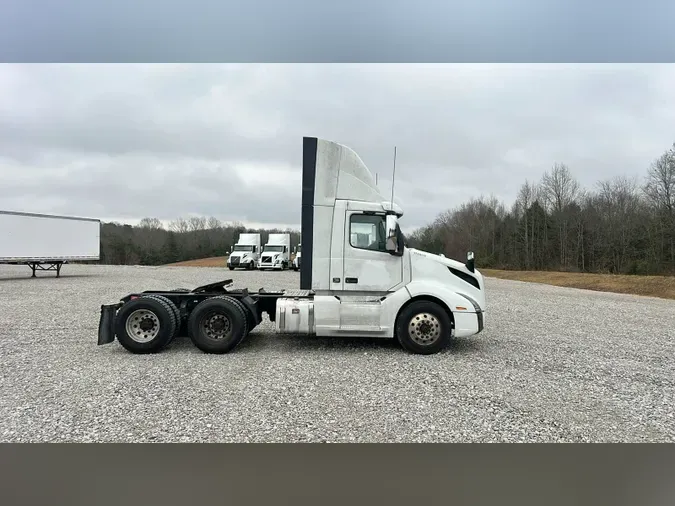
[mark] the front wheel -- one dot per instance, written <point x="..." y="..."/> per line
<point x="424" y="328"/>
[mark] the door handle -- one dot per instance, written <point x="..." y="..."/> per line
<point x="351" y="280"/>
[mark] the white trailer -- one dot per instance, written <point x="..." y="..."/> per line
<point x="381" y="289"/>
<point x="276" y="253"/>
<point x="45" y="242"/>
<point x="245" y="253"/>
<point x="297" y="259"/>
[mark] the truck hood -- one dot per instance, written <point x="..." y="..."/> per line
<point x="449" y="262"/>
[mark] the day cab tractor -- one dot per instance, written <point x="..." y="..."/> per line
<point x="357" y="278"/>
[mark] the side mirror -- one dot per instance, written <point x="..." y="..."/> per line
<point x="470" y="263"/>
<point x="391" y="241"/>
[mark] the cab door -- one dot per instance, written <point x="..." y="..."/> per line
<point x="368" y="267"/>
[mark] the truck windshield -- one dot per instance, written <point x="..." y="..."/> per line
<point x="242" y="247"/>
<point x="273" y="248"/>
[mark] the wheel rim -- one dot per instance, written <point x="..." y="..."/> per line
<point x="424" y="329"/>
<point x="216" y="326"/>
<point x="142" y="325"/>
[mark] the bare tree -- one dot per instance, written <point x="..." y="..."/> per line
<point x="151" y="223"/>
<point x="180" y="226"/>
<point x="560" y="189"/>
<point x="660" y="190"/>
<point x="197" y="223"/>
<point x="214" y="223"/>
<point x="526" y="196"/>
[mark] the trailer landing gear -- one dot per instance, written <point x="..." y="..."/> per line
<point x="40" y="266"/>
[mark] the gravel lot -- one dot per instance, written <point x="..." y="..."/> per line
<point x="554" y="364"/>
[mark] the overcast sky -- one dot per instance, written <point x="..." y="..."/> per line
<point x="127" y="141"/>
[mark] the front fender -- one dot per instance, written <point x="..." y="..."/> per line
<point x="452" y="299"/>
<point x="469" y="319"/>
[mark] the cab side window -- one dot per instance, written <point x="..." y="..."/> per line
<point x="367" y="231"/>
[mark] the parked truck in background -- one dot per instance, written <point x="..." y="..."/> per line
<point x="297" y="259"/>
<point x="383" y="289"/>
<point x="245" y="253"/>
<point x="45" y="242"/>
<point x="276" y="253"/>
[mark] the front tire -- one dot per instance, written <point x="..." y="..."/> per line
<point x="217" y="325"/>
<point x="145" y="325"/>
<point x="423" y="328"/>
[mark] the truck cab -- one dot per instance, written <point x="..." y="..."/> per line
<point x="364" y="280"/>
<point x="276" y="253"/>
<point x="245" y="253"/>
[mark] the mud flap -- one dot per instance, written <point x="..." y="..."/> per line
<point x="248" y="301"/>
<point x="106" y="325"/>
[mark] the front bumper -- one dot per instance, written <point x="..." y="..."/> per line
<point x="106" y="324"/>
<point x="469" y="324"/>
<point x="238" y="262"/>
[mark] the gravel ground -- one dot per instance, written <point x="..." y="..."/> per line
<point x="554" y="364"/>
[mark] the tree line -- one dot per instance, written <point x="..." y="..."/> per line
<point x="622" y="225"/>
<point x="151" y="243"/>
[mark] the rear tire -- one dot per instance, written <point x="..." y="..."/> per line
<point x="174" y="309"/>
<point x="231" y="268"/>
<point x="423" y="328"/>
<point x="217" y="325"/>
<point x="145" y="325"/>
<point x="250" y="318"/>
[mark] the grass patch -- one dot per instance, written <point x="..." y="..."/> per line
<point x="202" y="262"/>
<point x="653" y="286"/>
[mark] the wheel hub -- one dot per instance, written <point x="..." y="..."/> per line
<point x="424" y="329"/>
<point x="146" y="324"/>
<point x="142" y="326"/>
<point x="217" y="326"/>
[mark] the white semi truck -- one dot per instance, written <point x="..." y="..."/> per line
<point x="45" y="242"/>
<point x="245" y="253"/>
<point x="276" y="253"/>
<point x="379" y="289"/>
<point x="298" y="257"/>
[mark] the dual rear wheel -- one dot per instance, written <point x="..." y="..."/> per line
<point x="150" y="322"/>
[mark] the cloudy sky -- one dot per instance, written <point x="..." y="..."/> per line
<point x="127" y="141"/>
